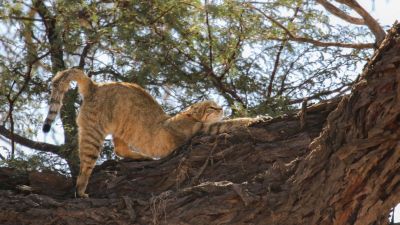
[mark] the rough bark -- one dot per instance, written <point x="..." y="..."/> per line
<point x="309" y="168"/>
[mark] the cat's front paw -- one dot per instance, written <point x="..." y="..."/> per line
<point x="260" y="119"/>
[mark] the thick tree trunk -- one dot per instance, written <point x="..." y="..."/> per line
<point x="309" y="168"/>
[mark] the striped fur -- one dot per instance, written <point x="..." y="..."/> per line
<point x="60" y="85"/>
<point x="139" y="126"/>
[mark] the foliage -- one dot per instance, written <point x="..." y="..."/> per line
<point x="42" y="161"/>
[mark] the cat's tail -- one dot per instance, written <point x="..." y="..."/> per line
<point x="60" y="85"/>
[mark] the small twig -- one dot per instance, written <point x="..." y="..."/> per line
<point x="210" y="40"/>
<point x="233" y="56"/>
<point x="2" y="157"/>
<point x="278" y="57"/>
<point x="10" y="115"/>
<point x="242" y="194"/>
<point x="303" y="113"/>
<point x="162" y="14"/>
<point x="11" y="118"/>
<point x="344" y="88"/>
<point x="181" y="172"/>
<point x="129" y="209"/>
<point x="392" y="219"/>
<point x="204" y="166"/>
<point x="84" y="54"/>
<point x="155" y="208"/>
<point x="12" y="100"/>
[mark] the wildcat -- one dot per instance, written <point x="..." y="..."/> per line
<point x="139" y="126"/>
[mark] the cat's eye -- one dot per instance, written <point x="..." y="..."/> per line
<point x="215" y="108"/>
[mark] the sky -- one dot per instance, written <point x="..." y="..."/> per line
<point x="385" y="11"/>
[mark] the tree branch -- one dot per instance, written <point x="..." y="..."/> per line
<point x="84" y="54"/>
<point x="49" y="22"/>
<point x="162" y="14"/>
<point x="320" y="94"/>
<point x="108" y="70"/>
<point x="339" y="13"/>
<point x="358" y="150"/>
<point x="332" y="44"/>
<point x="19" y="18"/>
<point x="225" y="91"/>
<point x="210" y="41"/>
<point x="278" y="58"/>
<point x="215" y="79"/>
<point x="41" y="146"/>
<point x="293" y="37"/>
<point x="288" y="70"/>
<point x="232" y="57"/>
<point x="275" y="69"/>
<point x="2" y="157"/>
<point x="372" y="24"/>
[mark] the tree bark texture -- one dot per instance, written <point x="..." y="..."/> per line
<point x="333" y="163"/>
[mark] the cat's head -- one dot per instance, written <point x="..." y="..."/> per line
<point x="206" y="111"/>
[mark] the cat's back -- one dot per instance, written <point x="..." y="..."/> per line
<point x="128" y="93"/>
<point x="119" y="102"/>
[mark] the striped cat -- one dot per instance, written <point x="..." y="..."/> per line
<point x="139" y="126"/>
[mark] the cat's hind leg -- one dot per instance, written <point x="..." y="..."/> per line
<point x="90" y="145"/>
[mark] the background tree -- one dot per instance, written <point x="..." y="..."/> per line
<point x="253" y="57"/>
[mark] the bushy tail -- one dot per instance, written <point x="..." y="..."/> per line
<point x="60" y="85"/>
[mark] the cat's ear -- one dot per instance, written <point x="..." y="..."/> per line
<point x="187" y="109"/>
